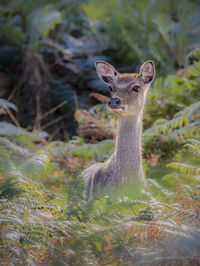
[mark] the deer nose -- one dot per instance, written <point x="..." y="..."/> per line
<point x="114" y="102"/>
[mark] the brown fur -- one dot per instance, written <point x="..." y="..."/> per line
<point x="126" y="161"/>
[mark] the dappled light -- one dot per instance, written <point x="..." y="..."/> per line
<point x="58" y="126"/>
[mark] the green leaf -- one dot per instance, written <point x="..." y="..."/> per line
<point x="13" y="33"/>
<point x="41" y="21"/>
<point x="8" y="104"/>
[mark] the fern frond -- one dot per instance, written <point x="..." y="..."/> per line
<point x="183" y="133"/>
<point x="35" y="164"/>
<point x="10" y="146"/>
<point x="193" y="145"/>
<point x="186" y="169"/>
<point x="41" y="21"/>
<point x="183" y="124"/>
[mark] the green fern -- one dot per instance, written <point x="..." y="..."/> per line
<point x="10" y="188"/>
<point x="35" y="165"/>
<point x="186" y="169"/>
<point x="185" y="123"/>
<point x="193" y="146"/>
<point x="41" y="21"/>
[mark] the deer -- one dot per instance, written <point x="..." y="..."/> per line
<point x="128" y="95"/>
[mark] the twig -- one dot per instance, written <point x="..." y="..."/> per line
<point x="54" y="134"/>
<point x="52" y="110"/>
<point x="12" y="94"/>
<point x="51" y="122"/>
<point x="11" y="115"/>
<point x="37" y="118"/>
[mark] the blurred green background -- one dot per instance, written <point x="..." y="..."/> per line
<point x="55" y="122"/>
<point x="48" y="50"/>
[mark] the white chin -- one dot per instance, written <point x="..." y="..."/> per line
<point x="120" y="110"/>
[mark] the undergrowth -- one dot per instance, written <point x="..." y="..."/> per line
<point x="55" y="223"/>
<point x="47" y="219"/>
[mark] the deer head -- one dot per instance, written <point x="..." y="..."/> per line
<point x="128" y="91"/>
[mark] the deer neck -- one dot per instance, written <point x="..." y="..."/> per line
<point x="128" y="157"/>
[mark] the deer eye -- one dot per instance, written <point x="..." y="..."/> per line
<point x="135" y="88"/>
<point x="110" y="88"/>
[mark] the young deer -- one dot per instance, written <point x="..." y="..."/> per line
<point x="128" y="95"/>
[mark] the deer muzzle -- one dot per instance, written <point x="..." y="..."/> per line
<point x="114" y="103"/>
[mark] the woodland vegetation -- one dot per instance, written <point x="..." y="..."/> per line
<point x="55" y="122"/>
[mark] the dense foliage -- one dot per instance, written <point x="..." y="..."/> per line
<point x="47" y="53"/>
<point x="162" y="30"/>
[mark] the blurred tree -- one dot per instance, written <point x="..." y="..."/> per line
<point x="138" y="30"/>
<point x="45" y="51"/>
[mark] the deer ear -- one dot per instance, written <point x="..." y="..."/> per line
<point x="147" y="72"/>
<point x="105" y="71"/>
